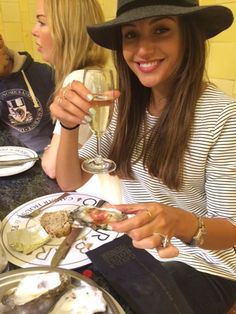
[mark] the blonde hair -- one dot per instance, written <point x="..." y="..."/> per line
<point x="72" y="47"/>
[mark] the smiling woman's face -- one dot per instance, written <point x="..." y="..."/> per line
<point x="152" y="49"/>
<point x="42" y="34"/>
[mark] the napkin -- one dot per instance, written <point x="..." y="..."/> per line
<point x="138" y="277"/>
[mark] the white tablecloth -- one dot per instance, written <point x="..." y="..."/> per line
<point x="103" y="186"/>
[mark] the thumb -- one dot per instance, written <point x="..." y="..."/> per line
<point x="168" y="252"/>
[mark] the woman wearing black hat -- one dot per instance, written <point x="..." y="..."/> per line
<point x="173" y="138"/>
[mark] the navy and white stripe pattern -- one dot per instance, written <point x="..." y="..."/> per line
<point x="209" y="187"/>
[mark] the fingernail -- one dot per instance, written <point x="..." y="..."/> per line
<point x="87" y="118"/>
<point x="84" y="122"/>
<point x="92" y="111"/>
<point x="89" y="97"/>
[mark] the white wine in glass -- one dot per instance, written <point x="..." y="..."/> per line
<point x="100" y="82"/>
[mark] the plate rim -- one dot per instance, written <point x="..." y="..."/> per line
<point x="19" y="259"/>
<point x="19" y="168"/>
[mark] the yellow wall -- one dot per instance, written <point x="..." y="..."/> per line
<point x="18" y="16"/>
<point x="222" y="53"/>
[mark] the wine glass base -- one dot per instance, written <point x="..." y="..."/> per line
<point x="104" y="166"/>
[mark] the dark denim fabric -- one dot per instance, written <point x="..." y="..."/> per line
<point x="205" y="293"/>
<point x="150" y="287"/>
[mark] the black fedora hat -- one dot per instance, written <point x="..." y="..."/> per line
<point x="212" y="19"/>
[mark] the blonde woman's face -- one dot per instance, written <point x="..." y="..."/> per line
<point x="42" y="33"/>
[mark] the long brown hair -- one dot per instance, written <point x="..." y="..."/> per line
<point x="165" y="145"/>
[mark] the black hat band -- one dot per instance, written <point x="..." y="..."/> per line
<point x="140" y="3"/>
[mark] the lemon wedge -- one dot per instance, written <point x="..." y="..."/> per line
<point x="27" y="240"/>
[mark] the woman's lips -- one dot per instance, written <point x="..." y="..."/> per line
<point x="147" y="67"/>
<point x="38" y="46"/>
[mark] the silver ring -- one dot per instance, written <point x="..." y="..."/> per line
<point x="165" y="240"/>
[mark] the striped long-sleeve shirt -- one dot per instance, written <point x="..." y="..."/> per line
<point x="209" y="177"/>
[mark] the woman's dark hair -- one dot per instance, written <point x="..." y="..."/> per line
<point x="165" y="144"/>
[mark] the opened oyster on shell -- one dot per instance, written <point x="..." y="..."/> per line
<point x="83" y="299"/>
<point x="53" y="292"/>
<point x="35" y="294"/>
<point x="97" y="218"/>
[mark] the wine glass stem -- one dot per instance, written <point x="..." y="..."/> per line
<point x="98" y="158"/>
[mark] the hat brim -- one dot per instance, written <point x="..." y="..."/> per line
<point x="211" y="19"/>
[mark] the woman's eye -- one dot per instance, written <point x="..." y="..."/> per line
<point x="129" y="35"/>
<point x="41" y="23"/>
<point x="161" y="30"/>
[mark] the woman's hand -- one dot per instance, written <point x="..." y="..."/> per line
<point x="73" y="105"/>
<point x="153" y="225"/>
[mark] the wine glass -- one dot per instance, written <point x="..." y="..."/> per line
<point x="100" y="82"/>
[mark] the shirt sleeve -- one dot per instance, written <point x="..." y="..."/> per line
<point x="57" y="128"/>
<point x="221" y="168"/>
<point x="74" y="76"/>
<point x="84" y="132"/>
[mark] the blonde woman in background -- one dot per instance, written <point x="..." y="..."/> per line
<point x="64" y="43"/>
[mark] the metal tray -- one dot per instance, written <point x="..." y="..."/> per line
<point x="11" y="279"/>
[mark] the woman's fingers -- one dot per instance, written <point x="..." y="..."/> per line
<point x="168" y="252"/>
<point x="155" y="243"/>
<point x="134" y="224"/>
<point x="73" y="116"/>
<point x="81" y="90"/>
<point x="73" y="104"/>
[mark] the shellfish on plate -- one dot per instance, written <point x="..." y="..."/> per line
<point x="35" y="294"/>
<point x="84" y="299"/>
<point x="49" y="290"/>
<point x="97" y="218"/>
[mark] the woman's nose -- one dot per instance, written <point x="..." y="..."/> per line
<point x="34" y="31"/>
<point x="145" y="47"/>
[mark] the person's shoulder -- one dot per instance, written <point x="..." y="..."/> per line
<point x="43" y="66"/>
<point x="30" y="62"/>
<point x="76" y="75"/>
<point x="214" y="107"/>
<point x="213" y="94"/>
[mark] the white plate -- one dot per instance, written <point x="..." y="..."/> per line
<point x="76" y="257"/>
<point x="14" y="153"/>
<point x="11" y="279"/>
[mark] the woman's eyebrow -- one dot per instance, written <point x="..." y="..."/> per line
<point x="40" y="15"/>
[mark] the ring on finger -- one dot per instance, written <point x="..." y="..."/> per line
<point x="59" y="100"/>
<point x="64" y="93"/>
<point x="165" y="240"/>
<point x="70" y="85"/>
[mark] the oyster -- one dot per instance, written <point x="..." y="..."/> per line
<point x="36" y="294"/>
<point x="97" y="218"/>
<point x="84" y="299"/>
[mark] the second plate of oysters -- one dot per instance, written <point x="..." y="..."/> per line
<point x="50" y="290"/>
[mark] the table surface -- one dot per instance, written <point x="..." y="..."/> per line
<point x="20" y="188"/>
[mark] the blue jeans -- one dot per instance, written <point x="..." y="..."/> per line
<point x="204" y="293"/>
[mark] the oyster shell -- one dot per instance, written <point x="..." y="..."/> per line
<point x="84" y="299"/>
<point x="36" y="293"/>
<point x="97" y="218"/>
